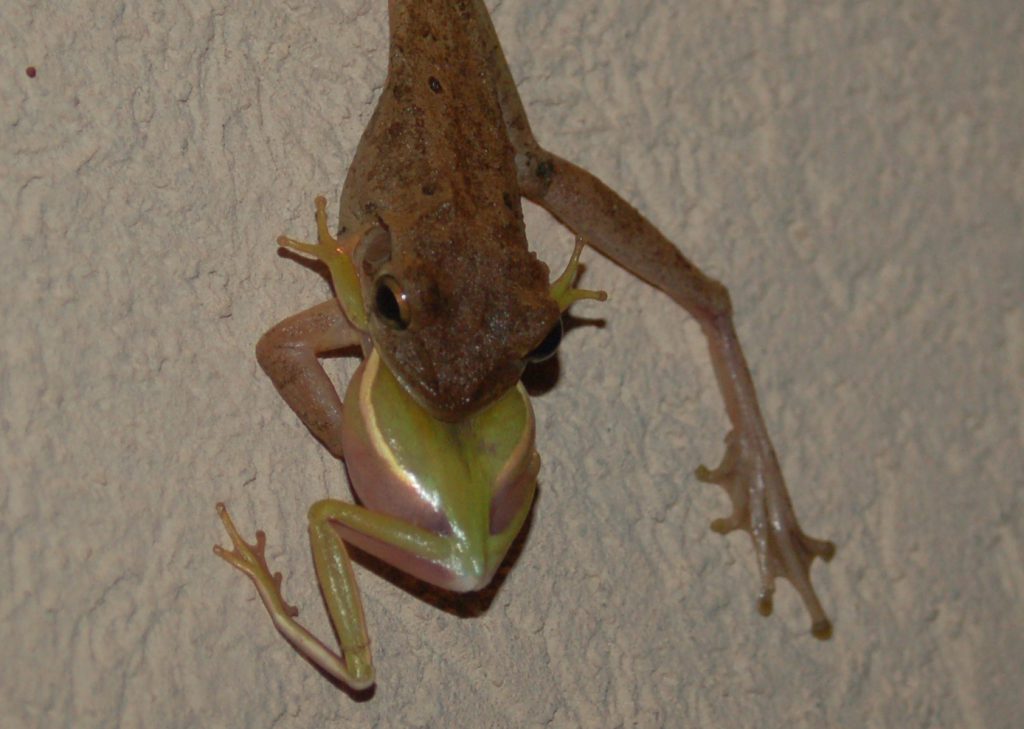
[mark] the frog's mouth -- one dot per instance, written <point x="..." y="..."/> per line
<point x="453" y="404"/>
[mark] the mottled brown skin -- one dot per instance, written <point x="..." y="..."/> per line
<point x="436" y="169"/>
<point x="433" y="195"/>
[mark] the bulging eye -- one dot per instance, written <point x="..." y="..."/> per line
<point x="391" y="303"/>
<point x="548" y="346"/>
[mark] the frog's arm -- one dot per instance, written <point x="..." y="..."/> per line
<point x="750" y="470"/>
<point x="421" y="553"/>
<point x="354" y="667"/>
<point x="289" y="352"/>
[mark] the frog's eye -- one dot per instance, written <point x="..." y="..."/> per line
<point x="548" y="346"/>
<point x="391" y="303"/>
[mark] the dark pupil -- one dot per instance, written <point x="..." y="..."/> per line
<point x="549" y="346"/>
<point x="387" y="305"/>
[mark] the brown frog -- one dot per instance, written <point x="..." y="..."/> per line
<point x="435" y="282"/>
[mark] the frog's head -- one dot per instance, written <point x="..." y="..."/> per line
<point x="455" y="321"/>
<point x="456" y="324"/>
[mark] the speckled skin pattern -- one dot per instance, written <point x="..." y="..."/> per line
<point x="853" y="170"/>
<point x="436" y="168"/>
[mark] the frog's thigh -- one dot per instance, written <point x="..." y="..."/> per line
<point x="428" y="556"/>
<point x="594" y="211"/>
<point x="288" y="354"/>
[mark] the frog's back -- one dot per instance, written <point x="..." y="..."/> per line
<point x="437" y="136"/>
<point x="435" y="167"/>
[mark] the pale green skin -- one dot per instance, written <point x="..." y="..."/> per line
<point x="454" y="470"/>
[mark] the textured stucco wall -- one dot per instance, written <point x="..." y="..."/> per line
<point x="853" y="170"/>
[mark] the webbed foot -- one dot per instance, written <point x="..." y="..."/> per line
<point x="750" y="474"/>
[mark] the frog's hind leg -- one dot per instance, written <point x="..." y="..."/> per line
<point x="453" y="563"/>
<point x="750" y="472"/>
<point x="354" y="667"/>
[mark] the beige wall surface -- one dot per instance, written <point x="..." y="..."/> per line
<point x="853" y="170"/>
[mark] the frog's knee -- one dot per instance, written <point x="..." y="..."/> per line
<point x="320" y="512"/>
<point x="719" y="301"/>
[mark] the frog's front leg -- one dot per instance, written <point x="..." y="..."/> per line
<point x="750" y="470"/>
<point x="289" y="354"/>
<point x="446" y="561"/>
<point x="354" y="667"/>
<point x="454" y="563"/>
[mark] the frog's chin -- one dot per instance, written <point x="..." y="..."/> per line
<point x="451" y="411"/>
<point x="458" y="413"/>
